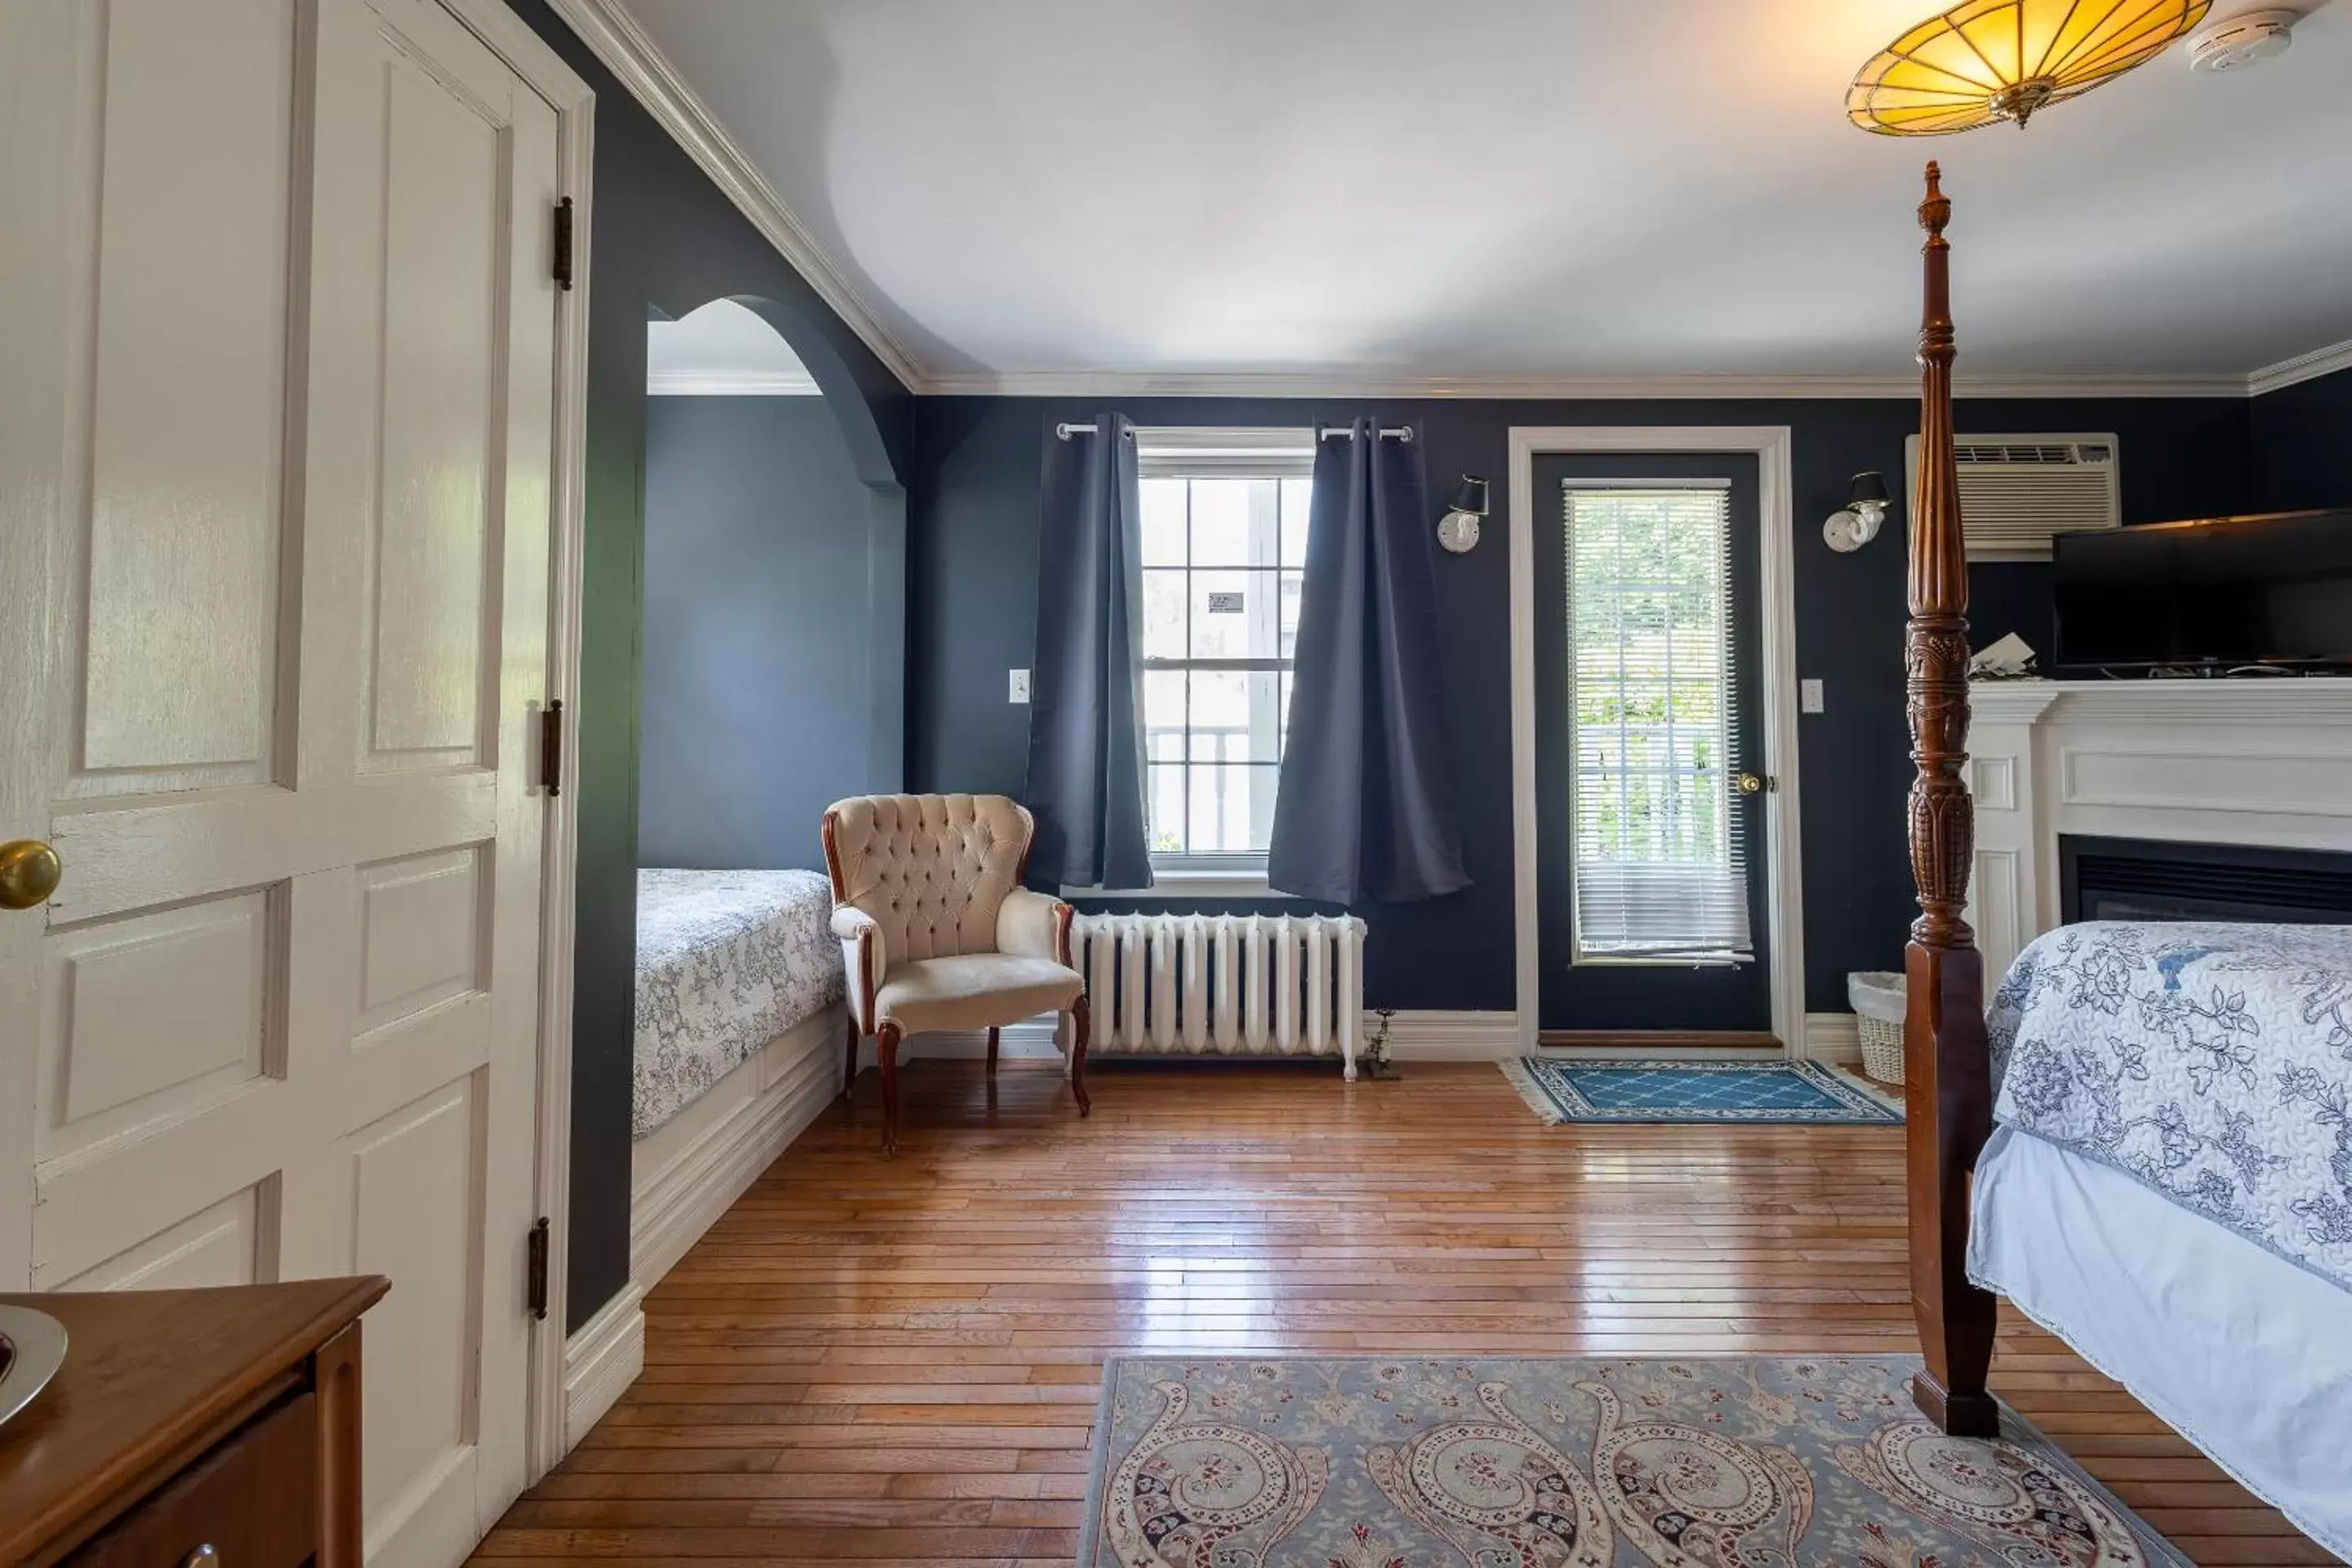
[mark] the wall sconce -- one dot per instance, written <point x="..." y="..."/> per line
<point x="1866" y="509"/>
<point x="1458" y="529"/>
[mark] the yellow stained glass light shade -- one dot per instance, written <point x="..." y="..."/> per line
<point x="1990" y="60"/>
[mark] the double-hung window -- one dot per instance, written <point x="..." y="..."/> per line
<point x="1224" y="545"/>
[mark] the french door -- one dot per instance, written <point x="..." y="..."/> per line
<point x="275" y="460"/>
<point x="1649" y="773"/>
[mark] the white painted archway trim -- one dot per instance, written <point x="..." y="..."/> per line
<point x="1783" y="880"/>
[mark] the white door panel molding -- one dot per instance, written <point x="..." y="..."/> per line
<point x="290" y="531"/>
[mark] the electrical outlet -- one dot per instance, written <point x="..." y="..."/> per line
<point x="1018" y="691"/>
<point x="1809" y="696"/>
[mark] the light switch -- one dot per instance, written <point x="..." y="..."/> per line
<point x="1020" y="687"/>
<point x="1809" y="696"/>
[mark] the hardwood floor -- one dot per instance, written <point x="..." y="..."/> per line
<point x="880" y="1363"/>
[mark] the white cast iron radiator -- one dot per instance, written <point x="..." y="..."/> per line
<point x="1234" y="984"/>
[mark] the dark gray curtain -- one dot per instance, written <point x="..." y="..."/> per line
<point x="1365" y="811"/>
<point x="1086" y="697"/>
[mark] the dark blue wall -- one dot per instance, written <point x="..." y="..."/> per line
<point x="662" y="239"/>
<point x="972" y="609"/>
<point x="2302" y="438"/>
<point x="774" y="626"/>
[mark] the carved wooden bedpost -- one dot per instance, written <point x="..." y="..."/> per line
<point x="1947" y="1071"/>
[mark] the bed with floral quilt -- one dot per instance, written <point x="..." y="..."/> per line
<point x="2168" y="1187"/>
<point x="727" y="961"/>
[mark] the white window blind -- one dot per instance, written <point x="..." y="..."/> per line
<point x="1660" y="871"/>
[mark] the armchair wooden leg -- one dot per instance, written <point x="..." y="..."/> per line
<point x="887" y="1034"/>
<point x="849" y="1073"/>
<point x="1078" y="1028"/>
<point x="993" y="1033"/>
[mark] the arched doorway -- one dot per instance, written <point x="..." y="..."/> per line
<point x="774" y="584"/>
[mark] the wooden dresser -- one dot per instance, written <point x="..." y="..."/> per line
<point x="193" y="1429"/>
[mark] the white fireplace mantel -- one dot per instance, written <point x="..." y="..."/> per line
<point x="2257" y="762"/>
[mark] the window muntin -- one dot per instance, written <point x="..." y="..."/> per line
<point x="1223" y="558"/>
<point x="1660" y="871"/>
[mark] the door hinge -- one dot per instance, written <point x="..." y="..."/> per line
<point x="535" y="1272"/>
<point x="551" y="747"/>
<point x="563" y="243"/>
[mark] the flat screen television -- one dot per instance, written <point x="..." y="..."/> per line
<point x="2216" y="596"/>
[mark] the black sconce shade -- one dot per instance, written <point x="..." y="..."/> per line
<point x="1869" y="486"/>
<point x="1471" y="496"/>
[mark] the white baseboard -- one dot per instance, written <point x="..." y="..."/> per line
<point x="1030" y="1040"/>
<point x="601" y="1361"/>
<point x="687" y="1173"/>
<point x="1428" y="1036"/>
<point x="1448" y="1036"/>
<point x="1832" y="1037"/>
<point x="1424" y="1035"/>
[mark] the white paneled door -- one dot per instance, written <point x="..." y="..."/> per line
<point x="277" y="373"/>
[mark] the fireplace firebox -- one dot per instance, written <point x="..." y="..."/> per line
<point x="2154" y="879"/>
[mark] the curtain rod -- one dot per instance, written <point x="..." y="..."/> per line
<point x="1322" y="432"/>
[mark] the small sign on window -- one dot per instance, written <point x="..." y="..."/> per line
<point x="1226" y="604"/>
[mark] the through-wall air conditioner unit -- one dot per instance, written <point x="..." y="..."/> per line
<point x="2018" y="491"/>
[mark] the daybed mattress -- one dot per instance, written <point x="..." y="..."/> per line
<point x="2246" y="1354"/>
<point x="726" y="961"/>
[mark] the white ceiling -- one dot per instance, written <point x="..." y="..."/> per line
<point x="1414" y="190"/>
<point x="723" y="349"/>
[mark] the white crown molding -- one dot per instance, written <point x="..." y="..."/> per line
<point x="632" y="56"/>
<point x="1211" y="383"/>
<point x="2301" y="368"/>
<point x="701" y="384"/>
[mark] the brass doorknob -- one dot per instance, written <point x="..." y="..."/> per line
<point x="29" y="870"/>
<point x="1747" y="784"/>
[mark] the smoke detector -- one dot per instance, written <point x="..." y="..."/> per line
<point x="2245" y="39"/>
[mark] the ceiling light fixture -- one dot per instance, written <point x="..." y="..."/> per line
<point x="1988" y="60"/>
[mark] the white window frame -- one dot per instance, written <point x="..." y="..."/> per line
<point x="1206" y="453"/>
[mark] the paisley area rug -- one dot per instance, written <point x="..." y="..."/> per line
<point x="1574" y="1462"/>
<point x="1670" y="1092"/>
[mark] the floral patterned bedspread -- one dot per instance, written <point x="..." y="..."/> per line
<point x="2212" y="1062"/>
<point x="726" y="961"/>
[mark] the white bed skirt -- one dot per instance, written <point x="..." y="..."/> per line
<point x="2246" y="1355"/>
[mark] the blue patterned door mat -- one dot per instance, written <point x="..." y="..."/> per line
<point x="1621" y="1090"/>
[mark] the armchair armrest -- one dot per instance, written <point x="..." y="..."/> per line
<point x="864" y="957"/>
<point x="1033" y="925"/>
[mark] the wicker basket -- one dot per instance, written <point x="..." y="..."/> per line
<point x="1882" y="1048"/>
<point x="1878" y="1001"/>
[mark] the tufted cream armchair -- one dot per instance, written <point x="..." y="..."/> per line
<point x="937" y="932"/>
